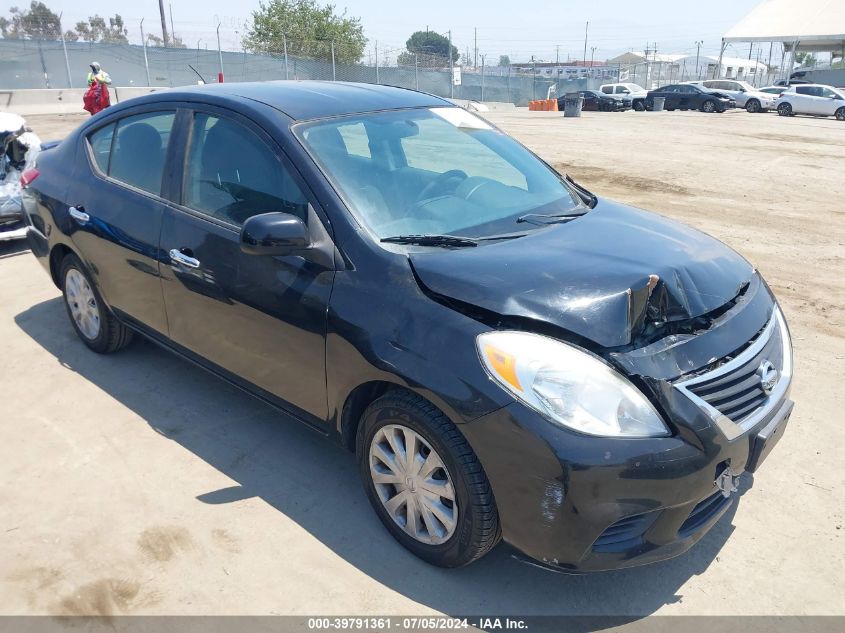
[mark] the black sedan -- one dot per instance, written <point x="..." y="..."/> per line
<point x="507" y="355"/>
<point x="597" y="101"/>
<point x="691" y="97"/>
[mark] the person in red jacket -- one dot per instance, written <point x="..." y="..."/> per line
<point x="97" y="97"/>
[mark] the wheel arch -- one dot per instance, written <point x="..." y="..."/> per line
<point x="57" y="254"/>
<point x="356" y="403"/>
<point x="362" y="397"/>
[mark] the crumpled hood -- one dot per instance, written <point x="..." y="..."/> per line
<point x="601" y="276"/>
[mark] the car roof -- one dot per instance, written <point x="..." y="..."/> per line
<point x="302" y="100"/>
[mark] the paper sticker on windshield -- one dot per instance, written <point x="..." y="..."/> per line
<point x="461" y="118"/>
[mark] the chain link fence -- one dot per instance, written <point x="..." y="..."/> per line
<point x="53" y="64"/>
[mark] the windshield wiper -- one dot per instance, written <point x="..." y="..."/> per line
<point x="431" y="240"/>
<point x="550" y="218"/>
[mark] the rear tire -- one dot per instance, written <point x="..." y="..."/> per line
<point x="708" y="106"/>
<point x="784" y="109"/>
<point x="753" y="106"/>
<point x="92" y="320"/>
<point x="840" y="114"/>
<point x="391" y="424"/>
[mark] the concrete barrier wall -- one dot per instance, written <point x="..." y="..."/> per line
<point x="59" y="101"/>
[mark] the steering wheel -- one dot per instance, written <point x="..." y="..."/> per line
<point x="440" y="182"/>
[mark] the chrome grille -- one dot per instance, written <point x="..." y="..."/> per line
<point x="732" y="394"/>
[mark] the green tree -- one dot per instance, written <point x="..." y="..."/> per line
<point x="805" y="59"/>
<point x="309" y="29"/>
<point x="504" y="60"/>
<point x="174" y="41"/>
<point x="432" y="44"/>
<point x="96" y="30"/>
<point x="36" y="23"/>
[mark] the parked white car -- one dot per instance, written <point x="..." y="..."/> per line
<point x="812" y="99"/>
<point x="746" y="95"/>
<point x="636" y="93"/>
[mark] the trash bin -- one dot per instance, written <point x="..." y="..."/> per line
<point x="658" y="104"/>
<point x="572" y="104"/>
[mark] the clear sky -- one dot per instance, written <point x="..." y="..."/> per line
<point x="517" y="28"/>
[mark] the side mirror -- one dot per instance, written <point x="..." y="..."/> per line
<point x="274" y="234"/>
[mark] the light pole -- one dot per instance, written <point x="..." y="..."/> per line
<point x="144" y="45"/>
<point x="697" y="56"/>
<point x="64" y="48"/>
<point x="219" y="56"/>
<point x="451" y="69"/>
<point x="586" y="33"/>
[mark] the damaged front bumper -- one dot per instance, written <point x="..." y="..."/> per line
<point x="578" y="503"/>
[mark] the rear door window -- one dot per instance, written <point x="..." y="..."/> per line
<point x="100" y="142"/>
<point x="139" y="149"/>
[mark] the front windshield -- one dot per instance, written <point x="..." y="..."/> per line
<point x="635" y="88"/>
<point x="434" y="171"/>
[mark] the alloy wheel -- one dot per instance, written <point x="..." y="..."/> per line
<point x="753" y="106"/>
<point x="708" y="106"/>
<point x="82" y="303"/>
<point x="413" y="483"/>
<point x="784" y="109"/>
<point x="840" y="114"/>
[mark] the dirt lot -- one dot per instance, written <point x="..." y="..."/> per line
<point x="139" y="484"/>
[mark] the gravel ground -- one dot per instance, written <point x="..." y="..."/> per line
<point x="137" y="483"/>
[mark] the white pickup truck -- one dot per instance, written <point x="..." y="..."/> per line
<point x="635" y="92"/>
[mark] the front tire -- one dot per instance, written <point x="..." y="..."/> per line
<point x="90" y="317"/>
<point x="753" y="106"/>
<point x="784" y="109"/>
<point x="425" y="482"/>
<point x="708" y="106"/>
<point x="840" y="114"/>
<point x="639" y="106"/>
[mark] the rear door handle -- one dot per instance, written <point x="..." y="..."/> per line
<point x="179" y="257"/>
<point x="78" y="214"/>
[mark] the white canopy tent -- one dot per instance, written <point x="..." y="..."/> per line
<point x="801" y="25"/>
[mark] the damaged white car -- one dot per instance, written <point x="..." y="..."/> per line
<point x="20" y="147"/>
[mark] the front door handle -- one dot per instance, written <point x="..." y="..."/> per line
<point x="78" y="214"/>
<point x="179" y="257"/>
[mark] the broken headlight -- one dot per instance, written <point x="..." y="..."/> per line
<point x="568" y="386"/>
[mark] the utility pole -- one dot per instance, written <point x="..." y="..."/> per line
<point x="165" y="38"/>
<point x="698" y="44"/>
<point x="475" y="58"/>
<point x="592" y="55"/>
<point x="586" y="33"/>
